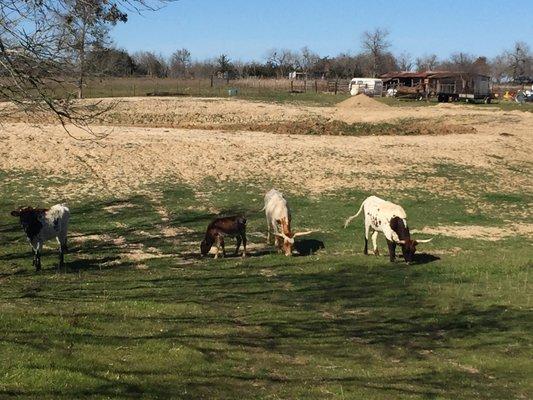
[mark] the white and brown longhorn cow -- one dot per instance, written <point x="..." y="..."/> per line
<point x="390" y="219"/>
<point x="278" y="217"/>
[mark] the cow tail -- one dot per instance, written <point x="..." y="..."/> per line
<point x="349" y="219"/>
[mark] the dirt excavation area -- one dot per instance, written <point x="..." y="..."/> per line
<point x="190" y="140"/>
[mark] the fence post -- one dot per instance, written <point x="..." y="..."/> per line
<point x="134" y="90"/>
<point x="316" y="86"/>
<point x="292" y="86"/>
<point x="211" y="80"/>
<point x="336" y="85"/>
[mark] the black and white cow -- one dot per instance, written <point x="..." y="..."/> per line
<point x="41" y="225"/>
<point x="390" y="219"/>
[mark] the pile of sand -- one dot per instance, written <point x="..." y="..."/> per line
<point x="362" y="101"/>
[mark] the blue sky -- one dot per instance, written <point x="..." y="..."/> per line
<point x="245" y="30"/>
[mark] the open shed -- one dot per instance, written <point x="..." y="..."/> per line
<point x="445" y="85"/>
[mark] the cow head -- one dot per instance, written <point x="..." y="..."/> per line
<point x="409" y="248"/>
<point x="288" y="241"/>
<point x="206" y="244"/>
<point x="29" y="219"/>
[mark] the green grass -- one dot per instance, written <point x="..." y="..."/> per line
<point x="201" y="88"/>
<point x="256" y="90"/>
<point x="332" y="324"/>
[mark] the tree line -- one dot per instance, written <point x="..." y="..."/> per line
<point x="375" y="58"/>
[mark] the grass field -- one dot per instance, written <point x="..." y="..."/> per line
<point x="161" y="322"/>
<point x="277" y="91"/>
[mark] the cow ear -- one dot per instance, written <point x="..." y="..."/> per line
<point x="15" y="213"/>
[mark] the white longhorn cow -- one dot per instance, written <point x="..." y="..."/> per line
<point x="278" y="217"/>
<point x="390" y="219"/>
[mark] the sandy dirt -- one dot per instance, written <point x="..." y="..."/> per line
<point x="210" y="113"/>
<point x="489" y="233"/>
<point x="132" y="157"/>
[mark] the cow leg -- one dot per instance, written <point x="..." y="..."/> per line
<point x="221" y="240"/>
<point x="244" y="245"/>
<point x="277" y="244"/>
<point x="367" y="231"/>
<point x="62" y="249"/>
<point x="392" y="250"/>
<point x="375" y="243"/>
<point x="217" y="247"/>
<point x="239" y="240"/>
<point x="269" y="234"/>
<point x="61" y="265"/>
<point x="37" y="256"/>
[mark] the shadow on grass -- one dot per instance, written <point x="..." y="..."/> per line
<point x="424" y="258"/>
<point x="229" y="332"/>
<point x="342" y="316"/>
<point x="307" y="247"/>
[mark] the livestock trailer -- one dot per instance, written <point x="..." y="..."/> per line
<point x="369" y="86"/>
<point x="454" y="86"/>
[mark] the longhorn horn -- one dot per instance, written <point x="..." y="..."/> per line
<point x="424" y="240"/>
<point x="303" y="233"/>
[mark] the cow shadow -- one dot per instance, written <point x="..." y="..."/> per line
<point x="424" y="258"/>
<point x="308" y="247"/>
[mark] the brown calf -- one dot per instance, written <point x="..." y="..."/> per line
<point x="220" y="227"/>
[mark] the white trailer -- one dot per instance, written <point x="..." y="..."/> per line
<point x="369" y="86"/>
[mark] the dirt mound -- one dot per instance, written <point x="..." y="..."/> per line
<point x="362" y="101"/>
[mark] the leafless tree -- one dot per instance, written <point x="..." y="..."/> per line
<point x="202" y="69"/>
<point x="308" y="59"/>
<point x="405" y="61"/>
<point x="42" y="49"/>
<point x="426" y="63"/>
<point x="520" y="61"/>
<point x="179" y="62"/>
<point x="499" y="68"/>
<point x="151" y="64"/>
<point x="283" y="60"/>
<point x="375" y="43"/>
<point x="459" y="62"/>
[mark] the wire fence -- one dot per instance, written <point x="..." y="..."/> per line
<point x="131" y="87"/>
